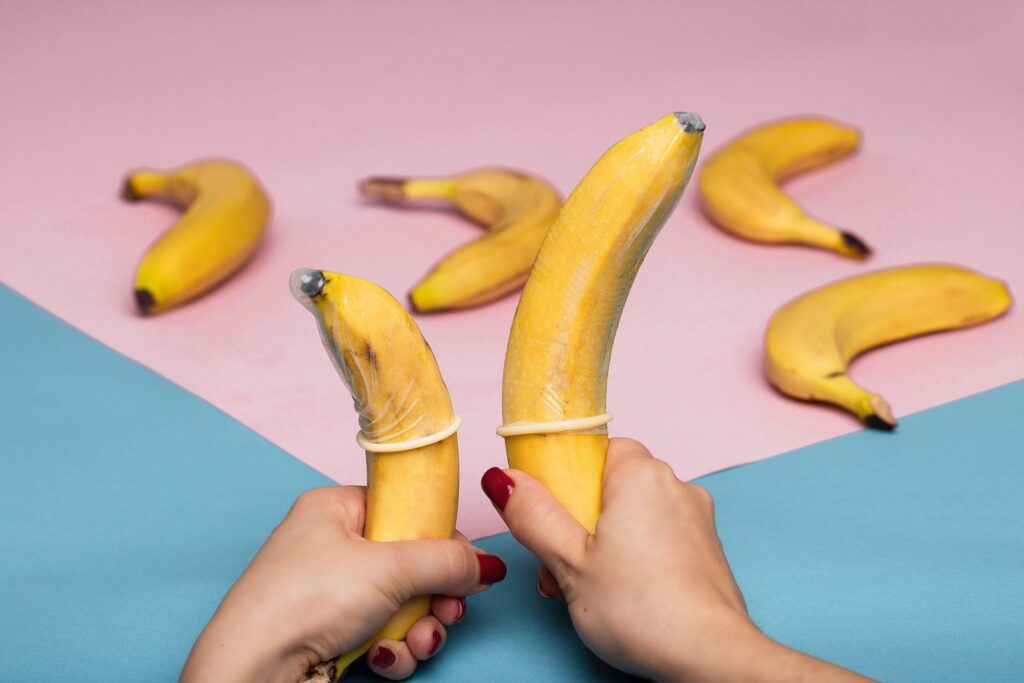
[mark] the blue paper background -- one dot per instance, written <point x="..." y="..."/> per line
<point x="128" y="506"/>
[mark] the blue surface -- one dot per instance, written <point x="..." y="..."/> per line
<point x="128" y="506"/>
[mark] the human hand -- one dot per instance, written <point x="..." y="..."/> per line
<point x="651" y="592"/>
<point x="318" y="589"/>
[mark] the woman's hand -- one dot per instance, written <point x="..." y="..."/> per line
<point x="317" y="589"/>
<point x="650" y="592"/>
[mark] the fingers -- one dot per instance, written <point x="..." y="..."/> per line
<point x="347" y="504"/>
<point x="391" y="659"/>
<point x="449" y="567"/>
<point x="547" y="585"/>
<point x="536" y="518"/>
<point x="448" y="609"/>
<point x="426" y="638"/>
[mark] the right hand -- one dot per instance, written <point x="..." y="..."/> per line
<point x="651" y="592"/>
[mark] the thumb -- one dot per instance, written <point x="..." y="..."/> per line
<point x="445" y="567"/>
<point x="536" y="519"/>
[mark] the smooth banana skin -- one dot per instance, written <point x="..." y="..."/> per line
<point x="226" y="214"/>
<point x="516" y="208"/>
<point x="556" y="365"/>
<point x="740" y="191"/>
<point x="811" y="340"/>
<point x="399" y="395"/>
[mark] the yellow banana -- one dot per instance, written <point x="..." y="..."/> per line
<point x="516" y="209"/>
<point x="556" y="366"/>
<point x="811" y="340"/>
<point x="740" y="192"/>
<point x="226" y="212"/>
<point x="400" y="396"/>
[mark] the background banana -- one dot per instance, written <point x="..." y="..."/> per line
<point x="556" y="365"/>
<point x="739" y="183"/>
<point x="516" y="209"/>
<point x="399" y="394"/>
<point x="811" y="340"/>
<point x="226" y="212"/>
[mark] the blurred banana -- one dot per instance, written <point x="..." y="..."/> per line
<point x="226" y="213"/>
<point x="400" y="396"/>
<point x="739" y="183"/>
<point x="811" y="340"/>
<point x="556" y="365"/>
<point x="516" y="209"/>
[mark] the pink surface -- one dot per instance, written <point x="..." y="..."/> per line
<point x="314" y="96"/>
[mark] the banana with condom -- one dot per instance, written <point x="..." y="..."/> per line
<point x="556" y="365"/>
<point x="407" y="424"/>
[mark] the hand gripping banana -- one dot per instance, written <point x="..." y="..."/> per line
<point x="403" y="406"/>
<point x="811" y="340"/>
<point x="516" y="209"/>
<point x="556" y="365"/>
<point x="226" y="212"/>
<point x="738" y="184"/>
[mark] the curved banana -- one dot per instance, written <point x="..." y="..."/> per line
<point x="556" y="366"/>
<point x="811" y="340"/>
<point x="399" y="394"/>
<point x="516" y="209"/>
<point x="226" y="212"/>
<point x="739" y="183"/>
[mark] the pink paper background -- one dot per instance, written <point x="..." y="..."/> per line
<point x="314" y="96"/>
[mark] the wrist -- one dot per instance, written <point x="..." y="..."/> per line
<point x="232" y="652"/>
<point x="734" y="649"/>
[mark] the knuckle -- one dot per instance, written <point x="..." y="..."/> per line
<point x="702" y="495"/>
<point x="623" y="444"/>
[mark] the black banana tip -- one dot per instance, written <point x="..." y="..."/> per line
<point x="144" y="300"/>
<point x="875" y="422"/>
<point x="128" y="192"/>
<point x="857" y="248"/>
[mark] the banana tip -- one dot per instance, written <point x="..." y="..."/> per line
<point x="128" y="192"/>
<point x="145" y="301"/>
<point x="881" y="416"/>
<point x="854" y="246"/>
<point x="875" y="422"/>
<point x="306" y="283"/>
<point x="691" y="123"/>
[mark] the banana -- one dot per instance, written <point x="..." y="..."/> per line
<point x="516" y="209"/>
<point x="226" y="213"/>
<point x="811" y="340"/>
<point x="738" y="184"/>
<point x="400" y="396"/>
<point x="556" y="365"/>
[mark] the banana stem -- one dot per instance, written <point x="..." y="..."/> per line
<point x="400" y="190"/>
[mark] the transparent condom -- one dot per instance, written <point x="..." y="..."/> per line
<point x="399" y="416"/>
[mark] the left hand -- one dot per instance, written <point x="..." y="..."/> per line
<point x="318" y="589"/>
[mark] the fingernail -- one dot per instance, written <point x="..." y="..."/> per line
<point x="541" y="593"/>
<point x="492" y="569"/>
<point x="462" y="610"/>
<point x="498" y="486"/>
<point x="435" y="644"/>
<point x="383" y="658"/>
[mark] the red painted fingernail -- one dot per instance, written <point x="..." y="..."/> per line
<point x="383" y="658"/>
<point x="541" y="593"/>
<point x="498" y="486"/>
<point x="492" y="569"/>
<point x="462" y="611"/>
<point x="435" y="644"/>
